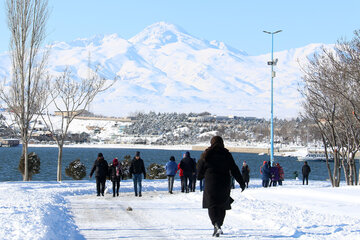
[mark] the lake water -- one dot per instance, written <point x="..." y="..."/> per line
<point x="9" y="161"/>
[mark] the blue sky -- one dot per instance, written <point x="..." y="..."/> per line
<point x="238" y="23"/>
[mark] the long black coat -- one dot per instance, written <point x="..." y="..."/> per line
<point x="306" y="170"/>
<point x="245" y="172"/>
<point x="215" y="165"/>
<point x="100" y="168"/>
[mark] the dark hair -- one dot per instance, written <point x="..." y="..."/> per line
<point x="172" y="158"/>
<point x="100" y="155"/>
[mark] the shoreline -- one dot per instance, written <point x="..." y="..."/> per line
<point x="201" y="147"/>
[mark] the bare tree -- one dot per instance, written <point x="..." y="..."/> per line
<point x="332" y="83"/>
<point x="26" y="94"/>
<point x="71" y="97"/>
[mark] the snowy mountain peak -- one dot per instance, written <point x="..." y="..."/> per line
<point x="159" y="34"/>
<point x="165" y="69"/>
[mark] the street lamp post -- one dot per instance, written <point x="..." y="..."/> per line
<point x="272" y="63"/>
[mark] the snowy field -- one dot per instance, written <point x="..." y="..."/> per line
<point x="70" y="210"/>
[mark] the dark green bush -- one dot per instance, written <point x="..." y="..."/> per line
<point x="34" y="164"/>
<point x="76" y="170"/>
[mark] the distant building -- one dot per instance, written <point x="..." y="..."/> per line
<point x="81" y="112"/>
<point x="9" y="142"/>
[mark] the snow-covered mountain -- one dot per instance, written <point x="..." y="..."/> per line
<point x="165" y="69"/>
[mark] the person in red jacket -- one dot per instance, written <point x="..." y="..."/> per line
<point x="281" y="173"/>
<point x="182" y="178"/>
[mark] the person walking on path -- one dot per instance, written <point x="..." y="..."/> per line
<point x="171" y="169"/>
<point x="193" y="180"/>
<point x="305" y="172"/>
<point x="182" y="178"/>
<point x="188" y="166"/>
<point x="115" y="176"/>
<point x="281" y="174"/>
<point x="274" y="173"/>
<point x="265" y="174"/>
<point x="245" y="172"/>
<point x="100" y="168"/>
<point x="215" y="165"/>
<point x="137" y="169"/>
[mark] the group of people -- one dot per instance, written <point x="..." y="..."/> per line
<point x="216" y="166"/>
<point x="271" y="174"/>
<point x="102" y="170"/>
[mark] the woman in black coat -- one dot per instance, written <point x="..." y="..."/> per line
<point x="115" y="175"/>
<point x="215" y="165"/>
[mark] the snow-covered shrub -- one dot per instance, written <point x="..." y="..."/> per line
<point x="34" y="164"/>
<point x="125" y="167"/>
<point x="156" y="171"/>
<point x="76" y="170"/>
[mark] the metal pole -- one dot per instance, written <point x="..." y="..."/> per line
<point x="272" y="63"/>
<point x="272" y="101"/>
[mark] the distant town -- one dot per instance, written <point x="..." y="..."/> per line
<point x="165" y="129"/>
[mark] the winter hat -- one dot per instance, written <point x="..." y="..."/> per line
<point x="100" y="155"/>
<point x="187" y="154"/>
<point x="264" y="162"/>
<point x="115" y="161"/>
<point x="172" y="158"/>
<point x="137" y="154"/>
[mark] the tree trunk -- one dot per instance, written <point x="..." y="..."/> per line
<point x="346" y="169"/>
<point x="355" y="172"/>
<point x="60" y="152"/>
<point x="26" y="161"/>
<point x="336" y="170"/>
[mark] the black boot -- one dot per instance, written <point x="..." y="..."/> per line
<point x="217" y="230"/>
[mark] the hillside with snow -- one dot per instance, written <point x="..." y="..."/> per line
<point x="165" y="69"/>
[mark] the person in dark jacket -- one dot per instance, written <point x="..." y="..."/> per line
<point x="215" y="166"/>
<point x="171" y="168"/>
<point x="101" y="171"/>
<point x="274" y="173"/>
<point x="115" y="176"/>
<point x="193" y="180"/>
<point x="245" y="172"/>
<point x="305" y="172"/>
<point x="188" y="166"/>
<point x="265" y="174"/>
<point x="137" y="169"/>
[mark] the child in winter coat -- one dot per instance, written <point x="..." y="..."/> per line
<point x="182" y="178"/>
<point x="171" y="169"/>
<point x="115" y="176"/>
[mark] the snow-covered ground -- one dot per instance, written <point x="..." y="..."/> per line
<point x="70" y="210"/>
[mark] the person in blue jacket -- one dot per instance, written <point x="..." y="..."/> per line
<point x="171" y="169"/>
<point x="265" y="172"/>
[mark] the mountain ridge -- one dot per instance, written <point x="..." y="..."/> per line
<point x="165" y="69"/>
